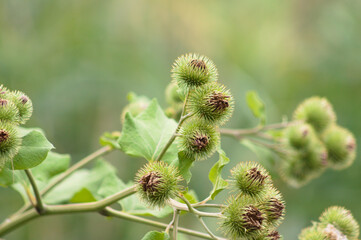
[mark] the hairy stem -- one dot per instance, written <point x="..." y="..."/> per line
<point x="10" y="224"/>
<point x="175" y="225"/>
<point x="102" y="151"/>
<point x="207" y="229"/>
<point x="240" y="133"/>
<point x="120" y="214"/>
<point x="188" y="207"/>
<point x="39" y="203"/>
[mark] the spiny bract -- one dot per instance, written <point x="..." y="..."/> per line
<point x="193" y="70"/>
<point x="157" y="182"/>
<point x="212" y="103"/>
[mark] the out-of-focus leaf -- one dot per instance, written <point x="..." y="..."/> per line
<point x="54" y="164"/>
<point x="215" y="174"/>
<point x="110" y="139"/>
<point x="33" y="150"/>
<point x="84" y="195"/>
<point x="257" y="106"/>
<point x="154" y="235"/>
<point x="184" y="164"/>
<point x="83" y="178"/>
<point x="147" y="134"/>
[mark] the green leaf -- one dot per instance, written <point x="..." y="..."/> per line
<point x="54" y="164"/>
<point x="147" y="134"/>
<point x="84" y="195"/>
<point x="83" y="178"/>
<point x="110" y="139"/>
<point x="215" y="174"/>
<point x="6" y="177"/>
<point x="154" y="235"/>
<point x="257" y="106"/>
<point x="190" y="195"/>
<point x="184" y="164"/>
<point x="34" y="149"/>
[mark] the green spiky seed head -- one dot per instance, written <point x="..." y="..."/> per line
<point x="212" y="103"/>
<point x="9" y="140"/>
<point x="333" y="233"/>
<point x="193" y="70"/>
<point x="299" y="136"/>
<point x="317" y="112"/>
<point x="341" y="146"/>
<point x="198" y="140"/>
<point x="273" y="206"/>
<point x="251" y="179"/>
<point x="296" y="169"/>
<point x="137" y="104"/>
<point x="242" y="218"/>
<point x="8" y="111"/>
<point x="23" y="104"/>
<point x="269" y="235"/>
<point x="157" y="182"/>
<point x="173" y="94"/>
<point x="312" y="233"/>
<point x="342" y="220"/>
<point x="3" y="90"/>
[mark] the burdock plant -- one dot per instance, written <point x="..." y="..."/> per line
<point x="169" y="142"/>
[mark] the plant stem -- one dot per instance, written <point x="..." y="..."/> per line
<point x="171" y="222"/>
<point x="102" y="151"/>
<point x="184" y="117"/>
<point x="119" y="214"/>
<point x="10" y="224"/>
<point x="240" y="133"/>
<point x="39" y="203"/>
<point x="188" y="207"/>
<point x="171" y="140"/>
<point x="175" y="225"/>
<point x="207" y="229"/>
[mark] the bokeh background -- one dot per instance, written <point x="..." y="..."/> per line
<point x="78" y="59"/>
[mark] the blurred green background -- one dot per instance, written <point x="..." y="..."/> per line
<point x="78" y="59"/>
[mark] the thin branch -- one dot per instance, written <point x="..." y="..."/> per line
<point x="171" y="222"/>
<point x="39" y="203"/>
<point x="175" y="225"/>
<point x="240" y="133"/>
<point x="120" y="214"/>
<point x="188" y="207"/>
<point x="207" y="229"/>
<point x="102" y="151"/>
<point x="10" y="224"/>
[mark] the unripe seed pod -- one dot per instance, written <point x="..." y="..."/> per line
<point x="273" y="206"/>
<point x="296" y="171"/>
<point x="137" y="104"/>
<point x="157" y="182"/>
<point x="269" y="235"/>
<point x="243" y="219"/>
<point x="3" y="90"/>
<point x="193" y="70"/>
<point x="317" y="112"/>
<point x="341" y="147"/>
<point x="333" y="233"/>
<point x="173" y="94"/>
<point x="251" y="179"/>
<point x="212" y="103"/>
<point x="198" y="140"/>
<point x="23" y="104"/>
<point x="299" y="136"/>
<point x="8" y="111"/>
<point x="9" y="141"/>
<point x="342" y="220"/>
<point x="312" y="233"/>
